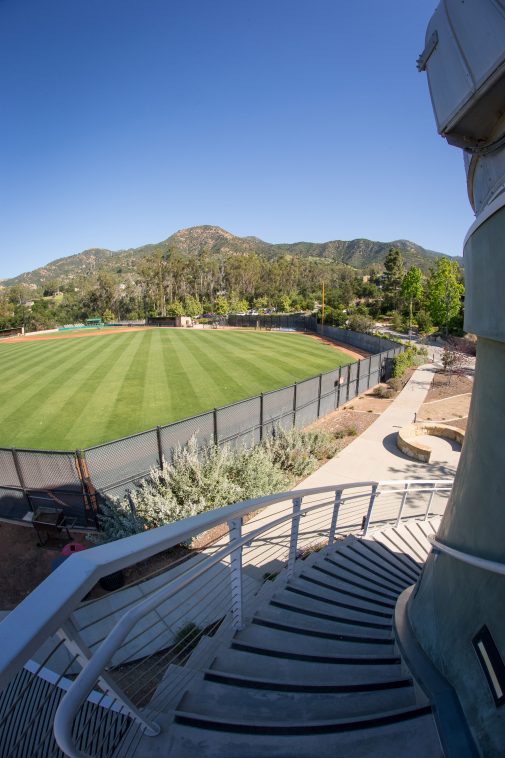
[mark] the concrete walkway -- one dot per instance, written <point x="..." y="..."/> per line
<point x="374" y="455"/>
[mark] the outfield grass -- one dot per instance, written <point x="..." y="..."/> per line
<point x="71" y="393"/>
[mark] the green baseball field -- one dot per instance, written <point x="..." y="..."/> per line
<point x="75" y="392"/>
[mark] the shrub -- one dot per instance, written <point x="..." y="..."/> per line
<point x="322" y="445"/>
<point x="383" y="392"/>
<point x="424" y="322"/>
<point x="256" y="473"/>
<point x="395" y="383"/>
<point x="200" y="480"/>
<point x="359" y="323"/>
<point x="347" y="431"/>
<point x="397" y="321"/>
<point x="195" y="481"/>
<point x="287" y="452"/>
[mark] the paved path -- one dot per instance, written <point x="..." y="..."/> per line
<point x="374" y="455"/>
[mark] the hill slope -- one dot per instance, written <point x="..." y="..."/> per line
<point x="213" y="240"/>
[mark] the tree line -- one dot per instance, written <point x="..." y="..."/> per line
<point x="177" y="284"/>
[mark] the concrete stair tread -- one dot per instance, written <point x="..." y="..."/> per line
<point x="401" y="542"/>
<point x="268" y="637"/>
<point x="330" y="620"/>
<point x="254" y="682"/>
<point x="310" y="595"/>
<point x="215" y="699"/>
<point x="429" y="528"/>
<point x="381" y="563"/>
<point x="350" y="565"/>
<point x="326" y="583"/>
<point x="400" y="563"/>
<point x="415" y="738"/>
<point x="356" y="562"/>
<point x="354" y="578"/>
<point x="317" y="726"/>
<point x="245" y="663"/>
<point x="415" y="529"/>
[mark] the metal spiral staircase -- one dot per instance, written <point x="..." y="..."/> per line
<point x="278" y="638"/>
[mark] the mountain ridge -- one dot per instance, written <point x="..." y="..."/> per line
<point x="214" y="240"/>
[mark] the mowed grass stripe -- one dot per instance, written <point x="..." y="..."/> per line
<point x="190" y="387"/>
<point x="285" y="366"/>
<point x="85" y="405"/>
<point x="258" y="369"/>
<point x="156" y="391"/>
<point x="295" y="346"/>
<point x="77" y="393"/>
<point x="19" y="371"/>
<point x="304" y="346"/>
<point x="42" y="384"/>
<point x="50" y="422"/>
<point x="126" y="412"/>
<point x="220" y="373"/>
<point x="100" y="415"/>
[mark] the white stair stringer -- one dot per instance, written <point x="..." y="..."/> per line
<point x="316" y="670"/>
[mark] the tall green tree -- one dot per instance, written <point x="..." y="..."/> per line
<point x="221" y="306"/>
<point x="394" y="271"/>
<point x="412" y="289"/>
<point x="445" y="289"/>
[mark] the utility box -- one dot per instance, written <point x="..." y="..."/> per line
<point x="467" y="88"/>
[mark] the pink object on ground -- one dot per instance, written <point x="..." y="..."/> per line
<point x="72" y="547"/>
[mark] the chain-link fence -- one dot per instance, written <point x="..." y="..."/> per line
<point x="77" y="481"/>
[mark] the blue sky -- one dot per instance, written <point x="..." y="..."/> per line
<point x="125" y="120"/>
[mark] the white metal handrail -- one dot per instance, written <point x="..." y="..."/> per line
<point x="49" y="609"/>
<point x="494" y="567"/>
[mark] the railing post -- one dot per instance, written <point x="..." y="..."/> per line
<point x="334" y="516"/>
<point x="75" y="644"/>
<point x="295" y="523"/>
<point x="430" y="502"/>
<point x="235" y="527"/>
<point x="402" y="504"/>
<point x="368" y="516"/>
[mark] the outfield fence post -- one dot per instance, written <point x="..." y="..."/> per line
<point x="17" y="466"/>
<point x="89" y="492"/>
<point x="216" y="438"/>
<point x="160" y="447"/>
<point x="319" y="395"/>
<point x="294" y="403"/>
<point x="261" y="416"/>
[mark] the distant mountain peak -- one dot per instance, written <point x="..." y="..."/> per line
<point x="214" y="240"/>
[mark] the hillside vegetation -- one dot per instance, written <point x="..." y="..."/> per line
<point x="216" y="242"/>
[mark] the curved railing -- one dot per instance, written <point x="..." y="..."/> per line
<point x="135" y="649"/>
<point x="495" y="567"/>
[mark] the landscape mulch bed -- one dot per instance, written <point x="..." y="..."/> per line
<point x="445" y="385"/>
